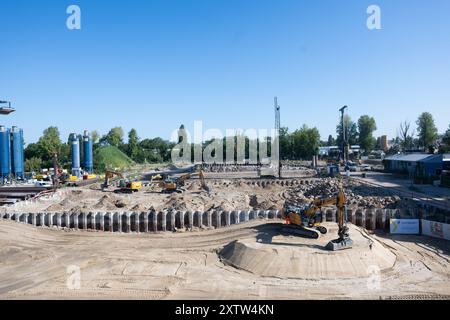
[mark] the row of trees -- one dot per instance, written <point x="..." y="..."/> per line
<point x="148" y="150"/>
<point x="40" y="154"/>
<point x="424" y="137"/>
<point x="360" y="133"/>
<point x="300" y="144"/>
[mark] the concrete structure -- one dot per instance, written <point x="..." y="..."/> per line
<point x="137" y="222"/>
<point x="403" y="163"/>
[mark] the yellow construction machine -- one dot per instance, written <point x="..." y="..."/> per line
<point x="171" y="184"/>
<point x="125" y="186"/>
<point x="305" y="220"/>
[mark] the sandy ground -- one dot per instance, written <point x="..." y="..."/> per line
<point x="225" y="195"/>
<point x="196" y="265"/>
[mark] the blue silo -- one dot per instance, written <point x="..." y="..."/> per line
<point x="75" y="146"/>
<point x="17" y="153"/>
<point x="88" y="162"/>
<point x="5" y="160"/>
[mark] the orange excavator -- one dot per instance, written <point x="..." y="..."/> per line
<point x="125" y="186"/>
<point x="171" y="184"/>
<point x="305" y="221"/>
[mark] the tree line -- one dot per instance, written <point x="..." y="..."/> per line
<point x="423" y="137"/>
<point x="301" y="144"/>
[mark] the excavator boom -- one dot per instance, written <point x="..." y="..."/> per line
<point x="305" y="221"/>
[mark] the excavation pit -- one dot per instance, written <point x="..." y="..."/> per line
<point x="273" y="253"/>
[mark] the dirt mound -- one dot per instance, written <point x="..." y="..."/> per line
<point x="105" y="203"/>
<point x="258" y="202"/>
<point x="55" y="208"/>
<point x="139" y="207"/>
<point x="76" y="210"/>
<point x="176" y="202"/>
<point x="295" y="257"/>
<point x="120" y="204"/>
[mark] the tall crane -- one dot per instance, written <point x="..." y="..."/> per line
<point x="277" y="133"/>
<point x="344" y="134"/>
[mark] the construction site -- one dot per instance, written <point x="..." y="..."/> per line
<point x="296" y="230"/>
<point x="224" y="158"/>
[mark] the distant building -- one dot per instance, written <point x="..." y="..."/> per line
<point x="403" y="163"/>
<point x="430" y="168"/>
<point x="423" y="168"/>
<point x="384" y="143"/>
<point x="327" y="151"/>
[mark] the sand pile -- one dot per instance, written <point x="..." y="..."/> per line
<point x="259" y="202"/>
<point x="105" y="203"/>
<point x="284" y="256"/>
<point x="176" y="202"/>
<point x="139" y="207"/>
<point x="55" y="208"/>
<point x="358" y="195"/>
<point x="58" y="207"/>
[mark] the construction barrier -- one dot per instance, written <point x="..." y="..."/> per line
<point x="170" y="220"/>
<point x="436" y="229"/>
<point x="404" y="226"/>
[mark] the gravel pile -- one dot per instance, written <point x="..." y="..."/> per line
<point x="358" y="195"/>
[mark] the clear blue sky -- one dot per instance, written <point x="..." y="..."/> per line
<point x="155" y="64"/>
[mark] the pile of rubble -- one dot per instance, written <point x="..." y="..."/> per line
<point x="358" y="195"/>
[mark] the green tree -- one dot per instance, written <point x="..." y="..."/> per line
<point x="445" y="147"/>
<point x="47" y="145"/>
<point x="155" y="150"/>
<point x="285" y="144"/>
<point x="446" y="137"/>
<point x="114" y="137"/>
<point x="351" y="130"/>
<point x="133" y="149"/>
<point x="306" y="142"/>
<point x="95" y="136"/>
<point x="33" y="164"/>
<point x="427" y="130"/>
<point x="331" y="141"/>
<point x="366" y="127"/>
<point x="406" y="136"/>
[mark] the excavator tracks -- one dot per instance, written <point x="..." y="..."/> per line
<point x="301" y="231"/>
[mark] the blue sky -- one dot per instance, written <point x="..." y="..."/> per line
<point x="152" y="65"/>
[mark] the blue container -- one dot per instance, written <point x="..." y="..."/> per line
<point x="17" y="153"/>
<point x="75" y="147"/>
<point x="88" y="161"/>
<point x="5" y="160"/>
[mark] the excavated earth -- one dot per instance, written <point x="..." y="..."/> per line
<point x="231" y="194"/>
<point x="247" y="261"/>
<point x="254" y="260"/>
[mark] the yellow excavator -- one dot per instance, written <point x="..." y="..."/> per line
<point x="125" y="187"/>
<point x="305" y="221"/>
<point x="170" y="184"/>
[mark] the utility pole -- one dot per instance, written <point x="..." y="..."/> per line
<point x="277" y="133"/>
<point x="344" y="134"/>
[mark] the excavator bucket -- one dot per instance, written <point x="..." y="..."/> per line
<point x="340" y="244"/>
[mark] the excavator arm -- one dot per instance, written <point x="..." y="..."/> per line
<point x="109" y="174"/>
<point x="295" y="217"/>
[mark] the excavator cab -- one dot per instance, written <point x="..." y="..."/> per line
<point x="303" y="221"/>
